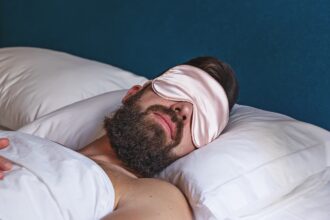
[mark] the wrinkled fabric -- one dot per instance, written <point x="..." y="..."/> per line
<point x="49" y="181"/>
<point x="210" y="104"/>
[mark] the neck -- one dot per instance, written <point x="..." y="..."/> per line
<point x="101" y="151"/>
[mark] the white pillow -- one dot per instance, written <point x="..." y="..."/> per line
<point x="78" y="124"/>
<point x="34" y="82"/>
<point x="260" y="158"/>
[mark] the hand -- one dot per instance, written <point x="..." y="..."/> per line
<point x="5" y="164"/>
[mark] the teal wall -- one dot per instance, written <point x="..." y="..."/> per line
<point x="279" y="49"/>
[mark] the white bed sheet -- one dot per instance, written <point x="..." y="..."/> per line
<point x="309" y="201"/>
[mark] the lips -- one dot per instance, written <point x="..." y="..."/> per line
<point x="167" y="123"/>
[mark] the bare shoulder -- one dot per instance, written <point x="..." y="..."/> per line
<point x="153" y="185"/>
<point x="151" y="188"/>
<point x="151" y="198"/>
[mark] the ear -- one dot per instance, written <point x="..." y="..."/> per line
<point x="131" y="91"/>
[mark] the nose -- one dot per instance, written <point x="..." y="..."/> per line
<point x="183" y="110"/>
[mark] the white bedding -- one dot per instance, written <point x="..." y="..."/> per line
<point x="261" y="158"/>
<point x="281" y="151"/>
<point x="35" y="82"/>
<point x="49" y="181"/>
<point x="309" y="201"/>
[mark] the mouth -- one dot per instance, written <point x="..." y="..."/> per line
<point x="166" y="123"/>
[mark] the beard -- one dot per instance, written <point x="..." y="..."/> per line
<point x="139" y="142"/>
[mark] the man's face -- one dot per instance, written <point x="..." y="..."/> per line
<point x="150" y="132"/>
<point x="182" y="111"/>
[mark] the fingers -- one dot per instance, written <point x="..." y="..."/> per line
<point x="4" y="142"/>
<point x="5" y="164"/>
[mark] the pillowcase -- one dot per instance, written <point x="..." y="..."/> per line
<point x="34" y="82"/>
<point x="78" y="124"/>
<point x="259" y="159"/>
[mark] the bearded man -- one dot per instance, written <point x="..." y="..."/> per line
<point x="183" y="109"/>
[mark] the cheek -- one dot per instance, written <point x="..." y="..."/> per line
<point x="186" y="145"/>
<point x="187" y="135"/>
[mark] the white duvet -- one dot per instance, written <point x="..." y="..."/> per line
<point x="49" y="181"/>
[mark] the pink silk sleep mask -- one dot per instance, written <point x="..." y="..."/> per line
<point x="210" y="104"/>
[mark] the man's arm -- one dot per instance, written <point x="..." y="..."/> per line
<point x="152" y="199"/>
<point x="5" y="164"/>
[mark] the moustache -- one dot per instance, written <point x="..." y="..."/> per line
<point x="172" y="115"/>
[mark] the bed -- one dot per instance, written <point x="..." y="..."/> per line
<point x="265" y="165"/>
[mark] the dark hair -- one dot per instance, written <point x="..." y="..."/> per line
<point x="221" y="72"/>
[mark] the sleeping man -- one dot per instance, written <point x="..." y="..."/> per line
<point x="181" y="110"/>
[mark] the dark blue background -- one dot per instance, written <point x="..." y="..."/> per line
<point x="279" y="49"/>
